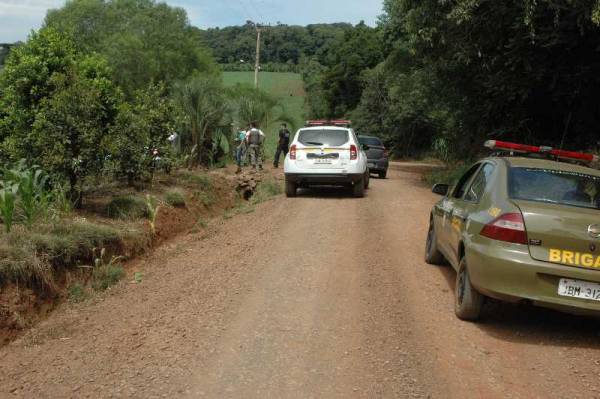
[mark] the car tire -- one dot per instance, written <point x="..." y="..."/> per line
<point x="367" y="180"/>
<point x="433" y="256"/>
<point x="358" y="190"/>
<point x="383" y="174"/>
<point x="467" y="301"/>
<point x="291" y="188"/>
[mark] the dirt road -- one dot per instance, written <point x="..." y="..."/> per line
<point x="321" y="296"/>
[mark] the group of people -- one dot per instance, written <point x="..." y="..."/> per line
<point x="251" y="141"/>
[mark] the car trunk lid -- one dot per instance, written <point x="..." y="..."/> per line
<point x="324" y="157"/>
<point x="562" y="234"/>
<point x="375" y="152"/>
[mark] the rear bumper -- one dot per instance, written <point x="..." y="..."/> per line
<point x="378" y="165"/>
<point x="323" y="178"/>
<point x="508" y="273"/>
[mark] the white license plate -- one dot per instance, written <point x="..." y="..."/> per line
<point x="323" y="161"/>
<point x="579" y="289"/>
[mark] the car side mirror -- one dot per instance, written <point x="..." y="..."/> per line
<point x="440" y="189"/>
<point x="365" y="147"/>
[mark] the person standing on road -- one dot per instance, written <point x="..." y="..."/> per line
<point x="254" y="140"/>
<point x="283" y="144"/>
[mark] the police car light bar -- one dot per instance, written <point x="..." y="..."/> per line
<point x="324" y="122"/>
<point x="522" y="148"/>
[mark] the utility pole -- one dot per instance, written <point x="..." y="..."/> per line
<point x="257" y="64"/>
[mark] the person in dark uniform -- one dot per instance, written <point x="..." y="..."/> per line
<point x="283" y="144"/>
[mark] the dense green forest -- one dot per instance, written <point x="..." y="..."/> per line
<point x="282" y="44"/>
<point x="455" y="73"/>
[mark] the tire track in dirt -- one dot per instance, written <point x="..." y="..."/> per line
<point x="323" y="295"/>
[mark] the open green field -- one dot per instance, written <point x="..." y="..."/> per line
<point x="288" y="88"/>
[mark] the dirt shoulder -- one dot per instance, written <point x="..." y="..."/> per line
<point x="323" y="295"/>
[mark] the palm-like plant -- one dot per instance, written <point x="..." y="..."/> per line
<point x="204" y="106"/>
<point x="254" y="105"/>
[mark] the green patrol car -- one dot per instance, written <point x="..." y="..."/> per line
<point x="521" y="225"/>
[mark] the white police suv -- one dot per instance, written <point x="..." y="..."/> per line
<point x="326" y="153"/>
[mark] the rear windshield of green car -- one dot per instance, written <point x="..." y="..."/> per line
<point x="372" y="141"/>
<point x="554" y="186"/>
<point x="323" y="137"/>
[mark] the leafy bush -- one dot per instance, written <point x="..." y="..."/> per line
<point x="57" y="107"/>
<point x="33" y="197"/>
<point x="77" y="293"/>
<point x="106" y="276"/>
<point x="175" y="198"/>
<point x="127" y="207"/>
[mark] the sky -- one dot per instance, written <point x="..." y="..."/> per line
<point x="19" y="17"/>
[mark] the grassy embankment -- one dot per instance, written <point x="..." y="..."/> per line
<point x="287" y="88"/>
<point x="71" y="253"/>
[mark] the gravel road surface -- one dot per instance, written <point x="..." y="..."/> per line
<point x="320" y="296"/>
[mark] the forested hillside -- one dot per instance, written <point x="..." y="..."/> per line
<point x="235" y="46"/>
<point x="455" y="73"/>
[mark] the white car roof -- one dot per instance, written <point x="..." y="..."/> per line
<point x="325" y="128"/>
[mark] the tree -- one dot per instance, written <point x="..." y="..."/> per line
<point x="139" y="129"/>
<point x="57" y="107"/>
<point x="460" y="72"/>
<point x="204" y="106"/>
<point x="338" y="89"/>
<point x="144" y="41"/>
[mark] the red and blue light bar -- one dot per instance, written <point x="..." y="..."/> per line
<point x="531" y="149"/>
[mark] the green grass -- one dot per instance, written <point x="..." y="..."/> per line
<point x="275" y="83"/>
<point x="106" y="276"/>
<point x="194" y="180"/>
<point x="175" y="198"/>
<point x="288" y="88"/>
<point x="77" y="293"/>
<point x="265" y="190"/>
<point x="127" y="207"/>
<point x="32" y="258"/>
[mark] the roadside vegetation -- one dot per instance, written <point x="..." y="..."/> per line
<point x="439" y="78"/>
<point x="111" y="137"/>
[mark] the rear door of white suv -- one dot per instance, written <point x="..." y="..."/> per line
<point x="325" y="149"/>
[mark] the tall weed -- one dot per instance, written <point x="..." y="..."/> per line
<point x="8" y="196"/>
<point x="33" y="198"/>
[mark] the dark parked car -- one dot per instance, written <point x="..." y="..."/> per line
<point x="377" y="155"/>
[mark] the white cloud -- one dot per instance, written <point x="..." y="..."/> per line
<point x="18" y="18"/>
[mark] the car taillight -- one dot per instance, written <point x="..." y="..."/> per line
<point x="509" y="227"/>
<point x="293" y="152"/>
<point x="353" y="152"/>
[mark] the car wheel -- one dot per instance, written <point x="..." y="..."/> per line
<point x="359" y="188"/>
<point x="433" y="256"/>
<point x="383" y="174"/>
<point x="367" y="179"/>
<point x="291" y="188"/>
<point x="467" y="301"/>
